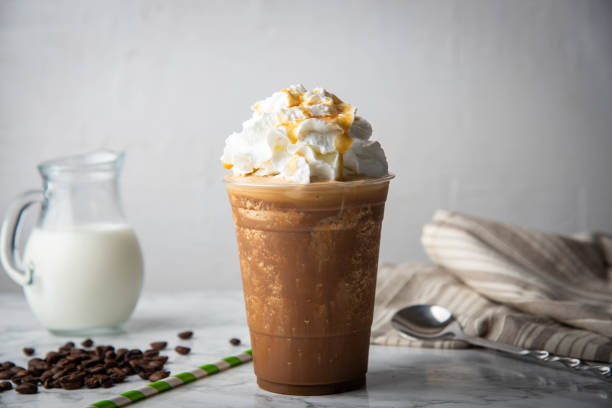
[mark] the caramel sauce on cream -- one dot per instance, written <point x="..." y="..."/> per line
<point x="295" y="98"/>
<point x="344" y="116"/>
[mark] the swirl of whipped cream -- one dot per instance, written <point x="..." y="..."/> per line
<point x="303" y="136"/>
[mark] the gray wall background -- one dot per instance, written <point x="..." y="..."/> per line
<point x="496" y="108"/>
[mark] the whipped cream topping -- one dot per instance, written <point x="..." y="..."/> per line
<point x="303" y="136"/>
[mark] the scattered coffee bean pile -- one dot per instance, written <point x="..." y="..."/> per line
<point x="73" y="368"/>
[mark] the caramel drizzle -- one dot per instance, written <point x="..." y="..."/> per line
<point x="344" y="118"/>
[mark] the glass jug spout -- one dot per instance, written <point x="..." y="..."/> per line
<point x="82" y="189"/>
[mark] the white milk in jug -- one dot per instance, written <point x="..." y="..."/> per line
<point x="83" y="276"/>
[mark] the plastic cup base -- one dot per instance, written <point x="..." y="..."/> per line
<point x="319" y="389"/>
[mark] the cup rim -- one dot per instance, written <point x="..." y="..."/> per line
<point x="334" y="184"/>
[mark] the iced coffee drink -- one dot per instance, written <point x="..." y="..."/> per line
<point x="307" y="192"/>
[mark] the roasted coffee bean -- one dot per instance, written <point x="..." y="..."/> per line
<point x="140" y="365"/>
<point x="68" y="384"/>
<point x="37" y="365"/>
<point x="16" y="378"/>
<point x="116" y="374"/>
<point x="92" y="362"/>
<point x="116" y="371"/>
<point x="145" y="374"/>
<point x="6" y="365"/>
<point x="185" y="335"/>
<point x="72" y="381"/>
<point x="121" y="353"/>
<point x="87" y="343"/>
<point x="108" y="363"/>
<point x="76" y="358"/>
<point x="162" y="359"/>
<point x="97" y="369"/>
<point x="151" y="365"/>
<point x="159" y="345"/>
<point x="30" y="378"/>
<point x="5" y="386"/>
<point x="80" y="352"/>
<point x="60" y="374"/>
<point x="100" y="350"/>
<point x="28" y="351"/>
<point x="182" y="350"/>
<point x="110" y="354"/>
<point x="24" y="376"/>
<point x="158" y="375"/>
<point x="71" y="366"/>
<point x="5" y="375"/>
<point x="15" y="369"/>
<point x="21" y="373"/>
<point x="134" y="354"/>
<point x="127" y="370"/>
<point x="25" y="379"/>
<point x="64" y="362"/>
<point x="91" y="382"/>
<point x="46" y="375"/>
<point x="151" y="353"/>
<point x="104" y="380"/>
<point x="27" y="388"/>
<point x="52" y="357"/>
<point x="67" y="368"/>
<point x="235" y="341"/>
<point x="135" y="364"/>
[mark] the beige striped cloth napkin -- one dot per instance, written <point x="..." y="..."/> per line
<point x="508" y="284"/>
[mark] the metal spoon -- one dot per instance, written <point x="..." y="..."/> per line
<point x="431" y="322"/>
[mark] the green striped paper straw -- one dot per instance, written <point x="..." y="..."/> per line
<point x="174" y="381"/>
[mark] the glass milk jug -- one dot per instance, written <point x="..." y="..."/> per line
<point x="82" y="267"/>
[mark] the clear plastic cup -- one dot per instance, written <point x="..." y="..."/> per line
<point x="309" y="257"/>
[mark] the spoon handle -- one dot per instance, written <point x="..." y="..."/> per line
<point x="603" y="371"/>
<point x="588" y="367"/>
<point x="494" y="345"/>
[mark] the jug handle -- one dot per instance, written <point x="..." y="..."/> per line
<point x="9" y="256"/>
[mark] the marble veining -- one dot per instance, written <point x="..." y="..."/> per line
<point x="397" y="377"/>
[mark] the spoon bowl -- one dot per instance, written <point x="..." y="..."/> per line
<point x="425" y="322"/>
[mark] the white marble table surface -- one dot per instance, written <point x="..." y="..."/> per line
<point x="397" y="377"/>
